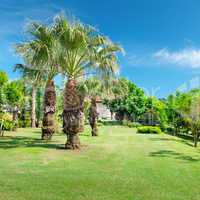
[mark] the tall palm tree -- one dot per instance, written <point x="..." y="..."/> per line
<point x="35" y="78"/>
<point x="41" y="50"/>
<point x="83" y="51"/>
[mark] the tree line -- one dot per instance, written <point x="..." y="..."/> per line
<point x="87" y="62"/>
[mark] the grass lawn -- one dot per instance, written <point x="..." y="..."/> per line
<point x="117" y="165"/>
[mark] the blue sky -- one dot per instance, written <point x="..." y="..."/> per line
<point x="161" y="38"/>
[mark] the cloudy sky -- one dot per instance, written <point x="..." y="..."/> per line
<point x="161" y="38"/>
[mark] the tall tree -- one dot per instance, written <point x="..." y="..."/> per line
<point x="14" y="96"/>
<point x="3" y="82"/>
<point x="130" y="105"/>
<point x="83" y="51"/>
<point x="42" y="51"/>
<point x="35" y="78"/>
<point x="194" y="118"/>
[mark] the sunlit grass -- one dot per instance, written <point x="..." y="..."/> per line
<point x="119" y="164"/>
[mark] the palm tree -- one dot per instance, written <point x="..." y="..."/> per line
<point x="35" y="78"/>
<point x="83" y="51"/>
<point x="95" y="88"/>
<point x="92" y="88"/>
<point x="41" y="51"/>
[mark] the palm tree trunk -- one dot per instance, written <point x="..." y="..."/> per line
<point x="48" y="123"/>
<point x="93" y="117"/>
<point x="33" y="115"/>
<point x="15" y="118"/>
<point x="111" y="112"/>
<point x="72" y="115"/>
<point x="196" y="138"/>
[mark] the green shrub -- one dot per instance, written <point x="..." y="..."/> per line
<point x="101" y="120"/>
<point x="100" y="123"/>
<point x="24" y="123"/>
<point x="110" y="122"/>
<point x="134" y="125"/>
<point x="7" y="122"/>
<point x="149" y="129"/>
<point x="130" y="124"/>
<point x="170" y="129"/>
<point x="125" y="122"/>
<point x="8" y="125"/>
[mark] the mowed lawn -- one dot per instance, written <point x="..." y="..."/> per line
<point x="118" y="165"/>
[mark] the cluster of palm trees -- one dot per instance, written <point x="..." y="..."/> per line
<point x="76" y="51"/>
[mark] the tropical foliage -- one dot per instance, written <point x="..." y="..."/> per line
<point x="87" y="62"/>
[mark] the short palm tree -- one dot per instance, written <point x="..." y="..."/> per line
<point x="95" y="89"/>
<point x="83" y="51"/>
<point x="41" y="52"/>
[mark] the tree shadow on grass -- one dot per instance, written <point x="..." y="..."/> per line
<point x="173" y="154"/>
<point x="9" y="142"/>
<point x="112" y="123"/>
<point x="173" y="138"/>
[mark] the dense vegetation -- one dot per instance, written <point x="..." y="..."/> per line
<point x="178" y="114"/>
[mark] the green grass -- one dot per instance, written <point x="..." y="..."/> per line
<point x="117" y="165"/>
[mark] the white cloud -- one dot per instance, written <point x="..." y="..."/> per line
<point x="186" y="57"/>
<point x="134" y="60"/>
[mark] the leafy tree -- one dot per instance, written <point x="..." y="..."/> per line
<point x="155" y="112"/>
<point x="33" y="78"/>
<point x="130" y="105"/>
<point x="194" y="118"/>
<point x="3" y="82"/>
<point x="177" y="107"/>
<point x="14" y="95"/>
<point x="184" y="112"/>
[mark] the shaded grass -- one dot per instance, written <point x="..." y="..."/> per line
<point x="119" y="164"/>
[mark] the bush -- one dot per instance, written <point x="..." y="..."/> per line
<point x="125" y="122"/>
<point x="7" y="122"/>
<point x="134" y="125"/>
<point x="8" y="125"/>
<point x="110" y="122"/>
<point x="100" y="124"/>
<point x="24" y="123"/>
<point x="130" y="124"/>
<point x="149" y="129"/>
<point x="170" y="130"/>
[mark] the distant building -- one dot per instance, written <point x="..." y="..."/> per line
<point x="103" y="111"/>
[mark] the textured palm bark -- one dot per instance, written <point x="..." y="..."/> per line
<point x="196" y="137"/>
<point x="48" y="123"/>
<point x="15" y="118"/>
<point x="33" y="115"/>
<point x="72" y="115"/>
<point x="1" y="127"/>
<point x="93" y="117"/>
